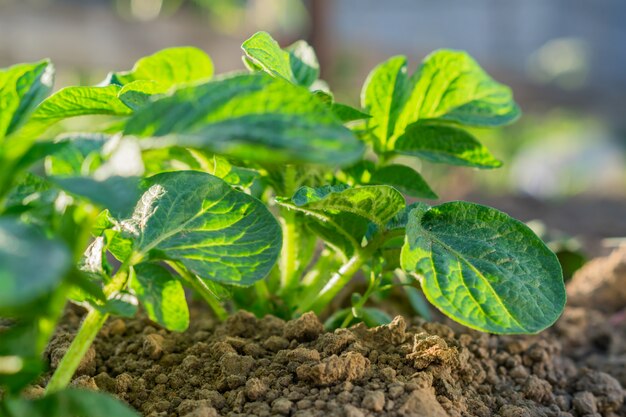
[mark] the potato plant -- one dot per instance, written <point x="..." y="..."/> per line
<point x="229" y="185"/>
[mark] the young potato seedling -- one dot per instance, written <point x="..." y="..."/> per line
<point x="228" y="184"/>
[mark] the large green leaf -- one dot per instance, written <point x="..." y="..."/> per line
<point x="168" y="67"/>
<point x="483" y="268"/>
<point x="216" y="232"/>
<point x="161" y="295"/>
<point x="22" y="87"/>
<point x="444" y="144"/>
<point x="342" y="215"/>
<point x="451" y="85"/>
<point x="30" y="264"/>
<point x="69" y="402"/>
<point x="296" y="63"/>
<point x="383" y="96"/>
<point x="250" y="116"/>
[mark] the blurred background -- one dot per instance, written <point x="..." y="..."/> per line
<point x="565" y="160"/>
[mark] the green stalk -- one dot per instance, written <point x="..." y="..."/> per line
<point x="338" y="280"/>
<point x="373" y="286"/>
<point x="318" y="300"/>
<point x="201" y="288"/>
<point x="289" y="251"/>
<point x="88" y="331"/>
<point x="84" y="338"/>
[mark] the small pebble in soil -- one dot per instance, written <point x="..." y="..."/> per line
<point x="282" y="406"/>
<point x="374" y="400"/>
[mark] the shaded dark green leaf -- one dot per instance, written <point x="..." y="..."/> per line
<point x="30" y="264"/>
<point x="483" y="268"/>
<point x="117" y="194"/>
<point x="404" y="179"/>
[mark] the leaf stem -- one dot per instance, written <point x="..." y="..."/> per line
<point x="289" y="252"/>
<point x="337" y="281"/>
<point x="71" y="360"/>
<point x="288" y="222"/>
<point x="373" y="286"/>
<point x="88" y="331"/>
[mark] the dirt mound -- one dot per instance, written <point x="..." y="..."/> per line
<point x="251" y="367"/>
<point x="268" y="367"/>
<point x="601" y="283"/>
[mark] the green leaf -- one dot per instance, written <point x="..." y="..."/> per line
<point x="347" y="113"/>
<point x="168" y="67"/>
<point x="444" y="144"/>
<point x="76" y="154"/>
<point x="30" y="264"/>
<point x="162" y="296"/>
<point x="483" y="268"/>
<point x="303" y="61"/>
<point x="249" y="117"/>
<point x="118" y="194"/>
<point x="30" y="191"/>
<point x="452" y="86"/>
<point x="383" y="96"/>
<point x="72" y="102"/>
<point x="342" y="215"/>
<point x="404" y="179"/>
<point x="296" y="63"/>
<point x="138" y="93"/>
<point x="22" y="87"/>
<point x="216" y="232"/>
<point x="69" y="402"/>
<point x="37" y="152"/>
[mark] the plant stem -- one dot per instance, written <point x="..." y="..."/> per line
<point x="88" y="331"/>
<point x="201" y="288"/>
<point x="338" y="280"/>
<point x="289" y="251"/>
<point x="373" y="286"/>
<point x="346" y="322"/>
<point x="71" y="360"/>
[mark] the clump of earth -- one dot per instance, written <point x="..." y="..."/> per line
<point x="247" y="366"/>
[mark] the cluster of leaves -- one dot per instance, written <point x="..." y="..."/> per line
<point x="227" y="185"/>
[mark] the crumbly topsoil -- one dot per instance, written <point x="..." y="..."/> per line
<point x="267" y="367"/>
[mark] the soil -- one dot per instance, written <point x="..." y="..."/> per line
<point x="268" y="367"/>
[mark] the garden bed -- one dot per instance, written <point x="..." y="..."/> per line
<point x="260" y="367"/>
